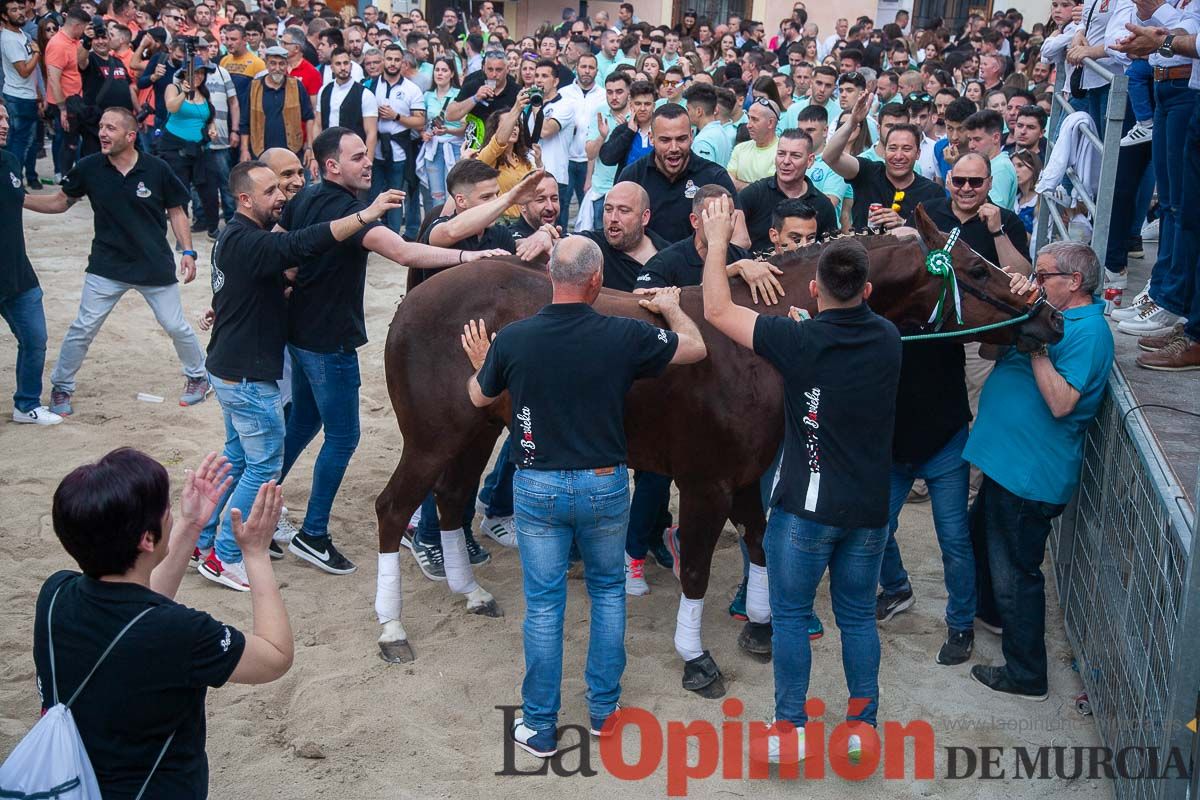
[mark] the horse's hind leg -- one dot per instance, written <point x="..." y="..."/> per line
<point x="703" y="509"/>
<point x="412" y="479"/>
<point x="455" y="494"/>
<point x="748" y="514"/>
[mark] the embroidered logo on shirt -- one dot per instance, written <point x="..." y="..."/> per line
<point x="689" y="191"/>
<point x="525" y="417"/>
<point x="662" y="336"/>
<point x="16" y="182"/>
<point x="142" y="191"/>
<point x="226" y="640"/>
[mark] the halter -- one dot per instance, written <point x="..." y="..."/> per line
<point x="940" y="264"/>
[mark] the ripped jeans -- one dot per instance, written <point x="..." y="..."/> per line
<point x="433" y="191"/>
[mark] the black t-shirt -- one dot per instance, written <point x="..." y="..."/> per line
<point x="871" y="185"/>
<point x="16" y="273"/>
<point x="621" y="269"/>
<point x="840" y="372"/>
<point x="151" y="685"/>
<point x="251" y="327"/>
<point x="759" y="200"/>
<point x="931" y="402"/>
<point x="106" y="83"/>
<point x="974" y="232"/>
<point x="681" y="265"/>
<point x="671" y="200"/>
<point x="326" y="313"/>
<point x="498" y="236"/>
<point x="130" y="211"/>
<point x="501" y="102"/>
<point x="568" y="369"/>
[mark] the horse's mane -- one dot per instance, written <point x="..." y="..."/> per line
<point x="871" y="241"/>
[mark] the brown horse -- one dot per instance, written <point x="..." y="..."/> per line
<point x="714" y="426"/>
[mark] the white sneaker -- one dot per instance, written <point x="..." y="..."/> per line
<point x="777" y="754"/>
<point x="1134" y="308"/>
<point x="231" y="576"/>
<point x="36" y="416"/>
<point x="1150" y="230"/>
<point x="502" y="530"/>
<point x="1140" y="133"/>
<point x="635" y="576"/>
<point x="199" y="556"/>
<point x="1150" y="321"/>
<point x="284" y="529"/>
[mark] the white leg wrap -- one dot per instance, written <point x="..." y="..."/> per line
<point x="393" y="631"/>
<point x="758" y="599"/>
<point x="459" y="574"/>
<point x="687" y="628"/>
<point x="388" y="601"/>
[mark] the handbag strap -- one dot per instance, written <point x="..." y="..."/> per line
<point x="88" y="677"/>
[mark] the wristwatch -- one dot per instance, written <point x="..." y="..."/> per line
<point x="1167" y="48"/>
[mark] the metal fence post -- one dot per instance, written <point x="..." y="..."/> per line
<point x="1117" y="97"/>
<point x="1185" y="673"/>
<point x="1057" y="114"/>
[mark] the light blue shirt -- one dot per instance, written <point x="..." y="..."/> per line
<point x="1005" y="190"/>
<point x="1016" y="441"/>
<point x="603" y="175"/>
<point x="828" y="183"/>
<point x="791" y="117"/>
<point x="712" y="143"/>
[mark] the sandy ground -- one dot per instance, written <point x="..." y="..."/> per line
<point x="431" y="729"/>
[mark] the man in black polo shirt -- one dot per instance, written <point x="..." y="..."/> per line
<point x="567" y="370"/>
<point x="671" y="176"/>
<point x="793" y="156"/>
<point x="625" y="239"/>
<point x="245" y="352"/>
<point x="829" y="510"/>
<point x="539" y="211"/>
<point x="485" y="91"/>
<point x="880" y="184"/>
<point x="133" y="195"/>
<point x="326" y="326"/>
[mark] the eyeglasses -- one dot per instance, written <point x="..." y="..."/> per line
<point x="1040" y="277"/>
<point x="921" y="96"/>
<point x="767" y="104"/>
<point x="959" y="182"/>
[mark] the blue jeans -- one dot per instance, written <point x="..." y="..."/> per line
<point x="27" y="321"/>
<point x="324" y="394"/>
<point x="497" y="487"/>
<point x="66" y="145"/>
<point x="36" y="142"/>
<point x="1009" y="533"/>
<point x="434" y="195"/>
<point x="429" y="529"/>
<point x="598" y="214"/>
<point x="577" y="177"/>
<point x="1179" y="285"/>
<point x="1173" y="111"/>
<point x="947" y="476"/>
<point x="798" y="552"/>
<point x="254" y="446"/>
<point x="553" y="510"/>
<point x="389" y="175"/>
<point x="648" y="513"/>
<point x="1141" y="88"/>
<point x="23" y="123"/>
<point x="1131" y="198"/>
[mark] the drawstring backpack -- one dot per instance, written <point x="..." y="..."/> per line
<point x="51" y="763"/>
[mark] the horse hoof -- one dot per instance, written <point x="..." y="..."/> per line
<point x="489" y="609"/>
<point x="755" y="639"/>
<point x="702" y="676"/>
<point x="398" y="652"/>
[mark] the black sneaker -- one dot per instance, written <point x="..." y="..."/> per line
<point x="996" y="679"/>
<point x="661" y="554"/>
<point x="274" y="550"/>
<point x="475" y="552"/>
<point x="320" y="552"/>
<point x="889" y="604"/>
<point x="957" y="648"/>
<point x="429" y="559"/>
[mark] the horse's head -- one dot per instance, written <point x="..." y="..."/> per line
<point x="985" y="297"/>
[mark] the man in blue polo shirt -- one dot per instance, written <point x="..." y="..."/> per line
<point x="567" y="370"/>
<point x="1028" y="442"/>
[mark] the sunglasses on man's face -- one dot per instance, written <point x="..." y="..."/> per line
<point x="959" y="182"/>
<point x="1040" y="277"/>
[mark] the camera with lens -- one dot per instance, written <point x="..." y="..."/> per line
<point x="190" y="43"/>
<point x="96" y="29"/>
<point x="439" y="121"/>
<point x="535" y="96"/>
<point x="143" y="113"/>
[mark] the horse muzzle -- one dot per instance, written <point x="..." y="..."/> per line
<point x="1044" y="326"/>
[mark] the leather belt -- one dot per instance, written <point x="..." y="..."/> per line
<point x="1180" y="72"/>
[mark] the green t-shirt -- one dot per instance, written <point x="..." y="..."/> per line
<point x="749" y="162"/>
<point x="712" y="143"/>
<point x="1004" y="191"/>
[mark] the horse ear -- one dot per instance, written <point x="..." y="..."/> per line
<point x="933" y="238"/>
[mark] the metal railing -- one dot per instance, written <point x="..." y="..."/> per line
<point x="1099" y="207"/>
<point x="1129" y="587"/>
